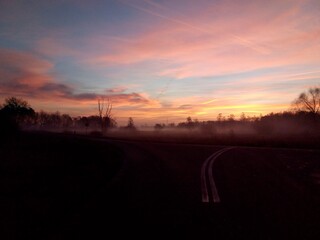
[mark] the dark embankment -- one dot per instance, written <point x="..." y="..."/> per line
<point x="47" y="178"/>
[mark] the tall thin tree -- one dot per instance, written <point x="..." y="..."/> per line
<point x="104" y="110"/>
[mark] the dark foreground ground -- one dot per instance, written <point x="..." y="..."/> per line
<point x="45" y="179"/>
<point x="56" y="186"/>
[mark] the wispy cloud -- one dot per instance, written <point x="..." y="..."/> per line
<point x="26" y="75"/>
<point x="168" y="18"/>
<point x="218" y="45"/>
<point x="229" y="56"/>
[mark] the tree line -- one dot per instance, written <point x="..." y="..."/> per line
<point x="16" y="113"/>
<point x="305" y="115"/>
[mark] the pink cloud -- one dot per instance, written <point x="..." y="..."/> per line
<point x="226" y="37"/>
<point x="25" y="75"/>
<point x="22" y="69"/>
<point x="243" y="37"/>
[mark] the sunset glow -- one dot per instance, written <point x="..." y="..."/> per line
<point x="159" y="60"/>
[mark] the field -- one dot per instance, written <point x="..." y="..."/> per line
<point x="69" y="185"/>
<point x="308" y="140"/>
<point x="45" y="179"/>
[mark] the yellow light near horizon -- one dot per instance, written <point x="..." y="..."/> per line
<point x="245" y="107"/>
<point x="233" y="107"/>
<point x="201" y="113"/>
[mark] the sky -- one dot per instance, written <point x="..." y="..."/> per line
<point x="159" y="60"/>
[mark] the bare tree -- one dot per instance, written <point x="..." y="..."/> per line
<point x="131" y="125"/>
<point x="309" y="101"/>
<point x="100" y="110"/>
<point x="104" y="110"/>
<point x="14" y="113"/>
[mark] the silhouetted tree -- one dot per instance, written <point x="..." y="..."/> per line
<point x="190" y="123"/>
<point x="104" y="110"/>
<point x="231" y="117"/>
<point x="131" y="125"/>
<point x="84" y="122"/>
<point x="220" y="118"/>
<point x="243" y="117"/>
<point x="17" y="108"/>
<point x="113" y="123"/>
<point x="13" y="113"/>
<point x="66" y="121"/>
<point x="158" y="126"/>
<point x="309" y="101"/>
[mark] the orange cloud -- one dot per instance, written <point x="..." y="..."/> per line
<point x="22" y="69"/>
<point x="225" y="38"/>
<point x="26" y="75"/>
<point x="213" y="42"/>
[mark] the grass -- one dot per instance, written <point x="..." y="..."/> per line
<point x="45" y="177"/>
<point x="289" y="140"/>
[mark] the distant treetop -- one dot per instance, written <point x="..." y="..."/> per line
<point x="16" y="107"/>
<point x="309" y="101"/>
